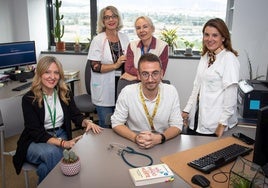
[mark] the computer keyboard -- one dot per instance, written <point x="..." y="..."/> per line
<point x="22" y="87"/>
<point x="219" y="158"/>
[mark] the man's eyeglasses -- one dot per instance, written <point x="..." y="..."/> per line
<point x="146" y="75"/>
<point x="107" y="17"/>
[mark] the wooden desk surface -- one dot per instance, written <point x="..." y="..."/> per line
<point x="104" y="168"/>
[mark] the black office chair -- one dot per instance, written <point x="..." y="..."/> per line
<point x="84" y="102"/>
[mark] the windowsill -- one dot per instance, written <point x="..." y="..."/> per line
<point x="178" y="54"/>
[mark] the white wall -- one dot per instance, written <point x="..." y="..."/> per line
<point x="5" y="21"/>
<point x="250" y="33"/>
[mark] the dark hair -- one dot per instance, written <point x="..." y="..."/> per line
<point x="220" y="25"/>
<point x="149" y="57"/>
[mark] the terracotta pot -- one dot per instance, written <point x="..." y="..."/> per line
<point x="60" y="46"/>
<point x="70" y="169"/>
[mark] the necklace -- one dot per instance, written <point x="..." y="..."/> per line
<point x="116" y="50"/>
<point x="149" y="117"/>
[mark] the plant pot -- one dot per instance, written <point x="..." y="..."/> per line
<point x="70" y="169"/>
<point x="188" y="52"/>
<point x="77" y="47"/>
<point x="60" y="46"/>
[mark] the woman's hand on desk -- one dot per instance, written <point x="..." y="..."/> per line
<point x="88" y="124"/>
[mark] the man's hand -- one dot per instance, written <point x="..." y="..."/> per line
<point x="147" y="139"/>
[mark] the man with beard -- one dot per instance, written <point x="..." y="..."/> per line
<point x="148" y="113"/>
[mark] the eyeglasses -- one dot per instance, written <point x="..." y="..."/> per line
<point x="146" y="75"/>
<point x="107" y="17"/>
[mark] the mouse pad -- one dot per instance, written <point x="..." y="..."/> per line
<point x="178" y="161"/>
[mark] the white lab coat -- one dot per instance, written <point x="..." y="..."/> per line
<point x="217" y="88"/>
<point x="103" y="84"/>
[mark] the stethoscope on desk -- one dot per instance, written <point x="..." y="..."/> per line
<point x="122" y="150"/>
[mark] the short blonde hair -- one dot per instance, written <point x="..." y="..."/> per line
<point x="146" y="18"/>
<point x="101" y="26"/>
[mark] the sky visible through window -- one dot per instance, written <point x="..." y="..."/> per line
<point x="187" y="16"/>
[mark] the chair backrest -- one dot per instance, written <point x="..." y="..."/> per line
<point x="122" y="83"/>
<point x="88" y="77"/>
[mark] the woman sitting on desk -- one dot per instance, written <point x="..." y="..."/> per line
<point x="48" y="109"/>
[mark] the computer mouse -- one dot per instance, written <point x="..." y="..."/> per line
<point x="200" y="180"/>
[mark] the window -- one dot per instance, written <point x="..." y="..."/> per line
<point x="187" y="16"/>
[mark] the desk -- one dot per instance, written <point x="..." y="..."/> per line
<point x="104" y="168"/>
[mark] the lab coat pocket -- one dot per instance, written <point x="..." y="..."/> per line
<point x="213" y="83"/>
<point x="96" y="91"/>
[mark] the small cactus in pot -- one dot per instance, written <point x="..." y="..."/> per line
<point x="70" y="163"/>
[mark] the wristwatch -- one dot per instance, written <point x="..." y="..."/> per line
<point x="163" y="139"/>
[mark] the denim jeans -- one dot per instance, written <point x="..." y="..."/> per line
<point x="45" y="155"/>
<point x="102" y="112"/>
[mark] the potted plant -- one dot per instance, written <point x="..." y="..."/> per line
<point x="170" y="37"/>
<point x="58" y="31"/>
<point x="70" y="163"/>
<point x="188" y="47"/>
<point x="77" y="45"/>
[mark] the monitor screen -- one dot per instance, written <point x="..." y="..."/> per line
<point x="15" y="54"/>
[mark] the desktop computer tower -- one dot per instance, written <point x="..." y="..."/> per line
<point x="249" y="103"/>
<point x="260" y="155"/>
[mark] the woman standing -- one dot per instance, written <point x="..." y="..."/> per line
<point x="48" y="109"/>
<point x="106" y="55"/>
<point x="211" y="108"/>
<point x="147" y="43"/>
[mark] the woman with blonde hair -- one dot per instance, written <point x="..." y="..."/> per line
<point x="48" y="109"/>
<point x="107" y="56"/>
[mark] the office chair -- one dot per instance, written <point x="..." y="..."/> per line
<point x="26" y="166"/>
<point x="84" y="102"/>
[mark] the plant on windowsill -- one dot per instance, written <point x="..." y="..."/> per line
<point x="77" y="45"/>
<point x="70" y="163"/>
<point x="170" y="37"/>
<point x="58" y="31"/>
<point x="188" y="47"/>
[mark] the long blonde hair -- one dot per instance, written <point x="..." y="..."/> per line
<point x="42" y="66"/>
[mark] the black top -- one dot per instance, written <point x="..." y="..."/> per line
<point x="34" y="130"/>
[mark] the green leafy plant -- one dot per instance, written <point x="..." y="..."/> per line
<point x="187" y="43"/>
<point x="169" y="36"/>
<point x="58" y="31"/>
<point x="69" y="156"/>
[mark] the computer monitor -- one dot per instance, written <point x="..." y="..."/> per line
<point x="260" y="155"/>
<point x="16" y="54"/>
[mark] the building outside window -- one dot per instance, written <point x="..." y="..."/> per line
<point x="187" y="16"/>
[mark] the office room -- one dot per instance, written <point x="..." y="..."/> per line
<point x="25" y="20"/>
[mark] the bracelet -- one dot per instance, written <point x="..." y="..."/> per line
<point x="135" y="140"/>
<point x="62" y="143"/>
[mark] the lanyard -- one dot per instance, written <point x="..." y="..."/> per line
<point x="53" y="118"/>
<point x="142" y="49"/>
<point x="149" y="117"/>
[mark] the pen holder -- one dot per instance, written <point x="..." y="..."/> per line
<point x="245" y="174"/>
